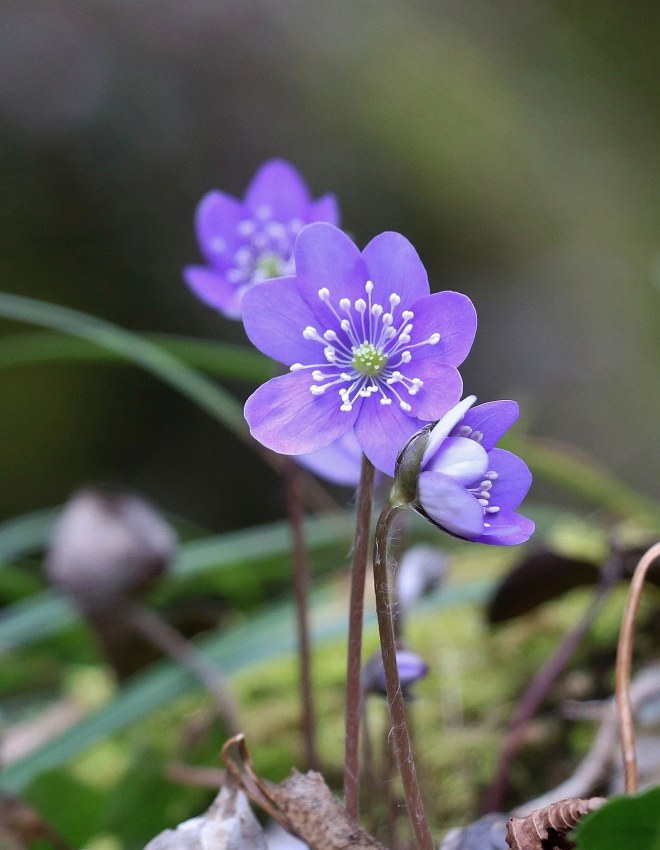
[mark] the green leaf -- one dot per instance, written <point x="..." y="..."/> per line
<point x="132" y="347"/>
<point x="25" y="534"/>
<point x="222" y="360"/>
<point x="623" y="822"/>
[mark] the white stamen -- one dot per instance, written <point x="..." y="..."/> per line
<point x="295" y="367"/>
<point x="324" y="293"/>
<point x="317" y="390"/>
<point x="493" y="510"/>
<point x="345" y="304"/>
<point x="434" y="339"/>
<point x="405" y="406"/>
<point x="385" y="401"/>
<point x="369" y="287"/>
<point x="406" y="357"/>
<point x="407" y="315"/>
<point x="483" y="502"/>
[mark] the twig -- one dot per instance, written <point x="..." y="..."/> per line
<point x="159" y="632"/>
<point x="536" y="692"/>
<point x="397" y="711"/>
<point x="301" y="599"/>
<point x="354" y="653"/>
<point x="623" y="667"/>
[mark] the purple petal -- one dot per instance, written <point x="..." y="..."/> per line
<point x="513" y="478"/>
<point x="444" y="426"/>
<point x="326" y="257"/>
<point x="284" y="416"/>
<point x="506" y="528"/>
<point x="382" y="431"/>
<point x="450" y="505"/>
<point x="493" y="419"/>
<point x="275" y="317"/>
<point x="325" y="208"/>
<point x="340" y="462"/>
<point x="450" y="314"/>
<point x="462" y="459"/>
<point x="212" y="288"/>
<point x="442" y="388"/>
<point x="394" y="267"/>
<point x="216" y="219"/>
<point x="278" y="191"/>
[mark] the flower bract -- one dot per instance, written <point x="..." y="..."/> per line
<point x="249" y="241"/>
<point x="465" y="484"/>
<point x="368" y="347"/>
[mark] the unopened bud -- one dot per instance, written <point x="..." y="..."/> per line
<point x="411" y="668"/>
<point x="406" y="471"/>
<point x="106" y="545"/>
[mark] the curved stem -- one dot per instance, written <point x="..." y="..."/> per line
<point x="301" y="598"/>
<point x="623" y="667"/>
<point x="399" y="730"/>
<point x="354" y="654"/>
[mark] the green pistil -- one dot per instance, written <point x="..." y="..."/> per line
<point x="270" y="265"/>
<point x="368" y="360"/>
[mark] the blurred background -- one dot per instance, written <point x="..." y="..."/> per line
<point x="515" y="144"/>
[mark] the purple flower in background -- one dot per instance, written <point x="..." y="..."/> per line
<point x="369" y="349"/>
<point x="247" y="242"/>
<point x="412" y="668"/>
<point x="340" y="462"/>
<point x="468" y="487"/>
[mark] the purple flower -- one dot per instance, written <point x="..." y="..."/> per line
<point x="465" y="485"/>
<point x="340" y="462"/>
<point x="412" y="668"/>
<point x="247" y="242"/>
<point x="369" y="349"/>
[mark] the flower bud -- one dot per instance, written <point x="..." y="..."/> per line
<point x="420" y="571"/>
<point x="411" y="667"/>
<point x="406" y="471"/>
<point x="106" y="545"/>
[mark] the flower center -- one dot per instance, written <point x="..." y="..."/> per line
<point x="368" y="351"/>
<point x="368" y="360"/>
<point x="268" y="266"/>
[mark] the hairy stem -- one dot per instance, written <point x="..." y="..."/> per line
<point x="399" y="728"/>
<point x="162" y="635"/>
<point x="354" y="654"/>
<point x="301" y="599"/>
<point x="623" y="667"/>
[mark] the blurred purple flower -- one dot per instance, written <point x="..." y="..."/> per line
<point x="369" y="348"/>
<point x="412" y="668"/>
<point x="468" y="487"/>
<point x="247" y="242"/>
<point x="339" y="463"/>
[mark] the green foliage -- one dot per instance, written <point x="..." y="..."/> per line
<point x="632" y="821"/>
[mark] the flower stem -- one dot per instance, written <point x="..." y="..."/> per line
<point x="399" y="729"/>
<point x="301" y="598"/>
<point x="354" y="654"/>
<point x="623" y="666"/>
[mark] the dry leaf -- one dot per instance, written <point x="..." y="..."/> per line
<point x="548" y="828"/>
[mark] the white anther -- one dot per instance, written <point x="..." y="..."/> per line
<point x="330" y="354"/>
<point x="330" y="336"/>
<point x="376" y="310"/>
<point x="295" y="367"/>
<point x="407" y="315"/>
<point x="465" y="431"/>
<point x="264" y="212"/>
<point x="317" y="375"/>
<point x="486" y="485"/>
<point x="389" y="333"/>
<point x="395" y="299"/>
<point x="405" y="406"/>
<point x="486" y="525"/>
<point x="406" y="357"/>
<point x="485" y="495"/>
<point x="234" y="275"/>
<point x="404" y="338"/>
<point x="243" y="256"/>
<point x="493" y="510"/>
<point x="295" y="224"/>
<point x="316" y="390"/>
<point x="345" y="304"/>
<point x="345" y="325"/>
<point x="483" y="502"/>
<point x="434" y="339"/>
<point x="386" y="401"/>
<point x="310" y="332"/>
<point x="477" y="436"/>
<point x="492" y="476"/>
<point x="275" y="229"/>
<point x="387" y="319"/>
<point x="324" y="293"/>
<point x="346" y="376"/>
<point x="245" y="227"/>
<point x="346" y="407"/>
<point x="369" y="287"/>
<point x="360" y="305"/>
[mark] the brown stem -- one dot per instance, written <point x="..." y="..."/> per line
<point x="533" y="697"/>
<point x="301" y="599"/>
<point x="354" y="653"/>
<point x="623" y="667"/>
<point x="397" y="711"/>
<point x="159" y="632"/>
